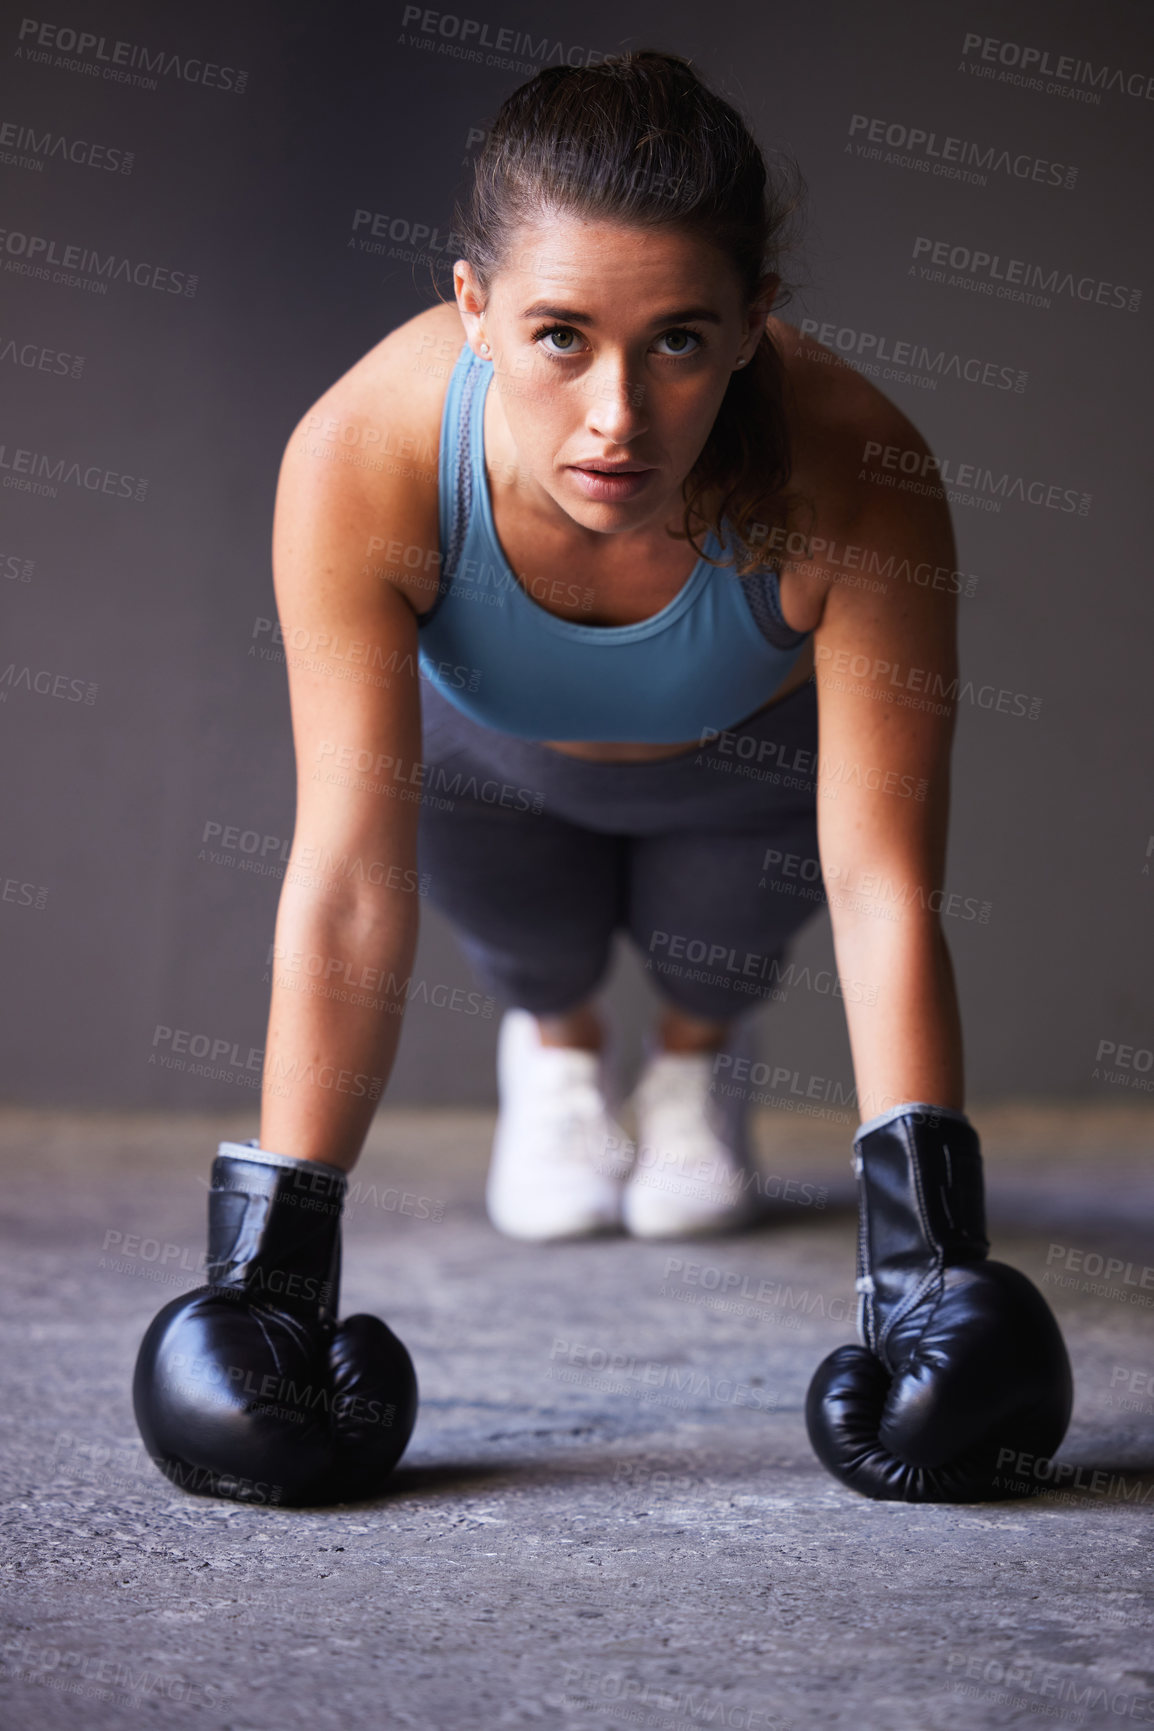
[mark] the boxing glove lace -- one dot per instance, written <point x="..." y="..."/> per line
<point x="963" y="1363"/>
<point x="249" y="1387"/>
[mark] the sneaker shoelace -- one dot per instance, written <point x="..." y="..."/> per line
<point x="573" y="1122"/>
<point x="678" y="1103"/>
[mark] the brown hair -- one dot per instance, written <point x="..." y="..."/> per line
<point x="640" y="139"/>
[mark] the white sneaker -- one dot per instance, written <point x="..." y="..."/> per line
<point x="693" y="1170"/>
<point x="559" y="1155"/>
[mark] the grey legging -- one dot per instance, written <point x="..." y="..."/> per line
<point x="708" y="859"/>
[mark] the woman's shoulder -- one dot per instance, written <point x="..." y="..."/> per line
<point x="364" y="455"/>
<point x="842" y="422"/>
<point x="854" y="453"/>
<point x="390" y="399"/>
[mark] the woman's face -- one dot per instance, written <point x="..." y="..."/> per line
<point x="611" y="345"/>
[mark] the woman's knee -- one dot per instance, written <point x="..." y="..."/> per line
<point x="533" y="979"/>
<point x="711" y="982"/>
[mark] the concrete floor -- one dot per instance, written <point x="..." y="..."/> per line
<point x="562" y="1546"/>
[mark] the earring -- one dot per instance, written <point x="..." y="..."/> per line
<point x="484" y="348"/>
<point x="741" y="363"/>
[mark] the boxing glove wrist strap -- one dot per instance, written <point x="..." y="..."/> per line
<point x="253" y="1151"/>
<point x="922" y="1107"/>
<point x="274" y="1229"/>
<point x="922" y="1210"/>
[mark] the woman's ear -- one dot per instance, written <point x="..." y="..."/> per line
<point x="762" y="305"/>
<point x="756" y="317"/>
<point x="470" y="303"/>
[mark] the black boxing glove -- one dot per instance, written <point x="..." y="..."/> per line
<point x="248" y="1387"/>
<point x="963" y="1364"/>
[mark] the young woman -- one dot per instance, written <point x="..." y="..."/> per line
<point x="597" y="618"/>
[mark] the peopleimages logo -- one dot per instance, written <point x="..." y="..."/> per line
<point x="37" y="357"/>
<point x="869" y="347"/>
<point x="1017" y="63"/>
<point x="46" y="684"/>
<point x="410" y="241"/>
<point x="948" y="157"/>
<point x="35" y="252"/>
<point x="84" y="51"/>
<point x="30" y="471"/>
<point x="465" y="38"/>
<point x="1017" y="279"/>
<point x="917" y="471"/>
<point x="24" y="147"/>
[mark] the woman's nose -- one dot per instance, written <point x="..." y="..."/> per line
<point x="616" y="410"/>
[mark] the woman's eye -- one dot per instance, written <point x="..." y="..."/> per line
<point x="568" y="343"/>
<point x="678" y="338"/>
<point x="563" y="340"/>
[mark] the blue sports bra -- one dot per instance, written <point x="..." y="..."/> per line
<point x="710" y="657"/>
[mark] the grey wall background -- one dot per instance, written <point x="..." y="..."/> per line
<point x="111" y="921"/>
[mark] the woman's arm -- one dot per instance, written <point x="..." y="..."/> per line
<point x="961" y="1365"/>
<point x="885" y="666"/>
<point x="219" y="1372"/>
<point x="346" y="927"/>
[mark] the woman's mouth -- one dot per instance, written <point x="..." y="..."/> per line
<point x="610" y="485"/>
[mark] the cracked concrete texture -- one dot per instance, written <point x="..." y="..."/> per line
<point x="563" y="1545"/>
